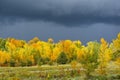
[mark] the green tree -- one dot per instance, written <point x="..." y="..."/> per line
<point x="62" y="58"/>
<point x="90" y="60"/>
<point x="2" y="44"/>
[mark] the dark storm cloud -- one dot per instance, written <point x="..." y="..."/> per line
<point x="65" y="12"/>
<point x="44" y="30"/>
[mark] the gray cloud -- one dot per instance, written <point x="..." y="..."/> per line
<point x="44" y="30"/>
<point x="65" y="12"/>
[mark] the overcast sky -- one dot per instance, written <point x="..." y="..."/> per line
<point x="83" y="20"/>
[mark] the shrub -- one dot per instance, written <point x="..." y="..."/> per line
<point x="12" y="63"/>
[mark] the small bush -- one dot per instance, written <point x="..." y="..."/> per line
<point x="12" y="63"/>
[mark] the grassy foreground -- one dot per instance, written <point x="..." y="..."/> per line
<point x="60" y="72"/>
<point x="45" y="72"/>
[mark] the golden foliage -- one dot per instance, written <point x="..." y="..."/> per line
<point x="35" y="49"/>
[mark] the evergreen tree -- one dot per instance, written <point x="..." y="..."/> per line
<point x="62" y="58"/>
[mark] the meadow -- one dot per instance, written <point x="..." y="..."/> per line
<point x="56" y="72"/>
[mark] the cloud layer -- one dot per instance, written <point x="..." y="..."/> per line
<point x="44" y="30"/>
<point x="65" y="12"/>
<point x="83" y="20"/>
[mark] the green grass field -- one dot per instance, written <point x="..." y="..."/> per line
<point x="61" y="72"/>
<point x="46" y="72"/>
